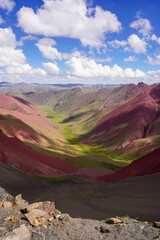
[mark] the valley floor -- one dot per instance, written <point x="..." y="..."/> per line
<point x="137" y="197"/>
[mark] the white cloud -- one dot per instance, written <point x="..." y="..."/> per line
<point x="133" y="42"/>
<point x="28" y="37"/>
<point x="84" y="67"/>
<point x="1" y="20"/>
<point x="155" y="38"/>
<point x="45" y="47"/>
<point x="7" y="38"/>
<point x="69" y="18"/>
<point x="130" y="59"/>
<point x="103" y="60"/>
<point x="7" y="5"/>
<point x="153" y="61"/>
<point x="51" y="68"/>
<point x="10" y="56"/>
<point x="117" y="44"/>
<point x="138" y="45"/>
<point x="12" y="59"/>
<point x="24" y="69"/>
<point x="143" y="26"/>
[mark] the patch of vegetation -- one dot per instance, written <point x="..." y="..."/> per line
<point x="125" y="217"/>
<point x="59" y="179"/>
<point x="96" y="196"/>
<point x="74" y="198"/>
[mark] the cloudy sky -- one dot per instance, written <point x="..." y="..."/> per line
<point x="85" y="41"/>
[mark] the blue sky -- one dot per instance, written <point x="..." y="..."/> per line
<point x="92" y="41"/>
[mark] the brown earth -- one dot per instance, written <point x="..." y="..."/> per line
<point x="136" y="197"/>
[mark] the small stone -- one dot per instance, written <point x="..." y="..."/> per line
<point x="50" y="219"/>
<point x="32" y="219"/>
<point x="64" y="217"/>
<point x="57" y="214"/>
<point x="32" y="206"/>
<point x="18" y="202"/>
<point x="41" y="220"/>
<point x="104" y="230"/>
<point x="38" y="213"/>
<point x="156" y="224"/>
<point x="13" y="219"/>
<point x="49" y="207"/>
<point x="145" y="222"/>
<point x="8" y="219"/>
<point x="2" y="229"/>
<point x="21" y="233"/>
<point x="7" y="204"/>
<point x="114" y="220"/>
<point x="157" y="238"/>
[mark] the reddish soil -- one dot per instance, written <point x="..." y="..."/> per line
<point x="146" y="165"/>
<point x="11" y="103"/>
<point x="130" y="120"/>
<point x="28" y="118"/>
<point x="17" y="155"/>
<point x="94" y="172"/>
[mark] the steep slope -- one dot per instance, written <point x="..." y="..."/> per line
<point x="132" y="121"/>
<point x="146" y="165"/>
<point x="104" y="98"/>
<point x="22" y="119"/>
<point x="53" y="98"/>
<point x="17" y="155"/>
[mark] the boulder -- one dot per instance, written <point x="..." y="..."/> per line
<point x="21" y="233"/>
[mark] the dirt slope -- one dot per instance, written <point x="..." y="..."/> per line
<point x="130" y="121"/>
<point x="146" y="165"/>
<point x="17" y="155"/>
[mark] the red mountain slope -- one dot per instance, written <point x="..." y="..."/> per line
<point x="130" y="121"/>
<point x="146" y="165"/>
<point x="9" y="103"/>
<point x="25" y="121"/>
<point x="17" y="155"/>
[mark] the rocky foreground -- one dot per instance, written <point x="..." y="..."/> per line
<point x="42" y="221"/>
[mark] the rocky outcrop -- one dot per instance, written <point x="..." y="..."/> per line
<point x="42" y="221"/>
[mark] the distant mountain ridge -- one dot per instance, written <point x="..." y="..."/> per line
<point x="6" y="87"/>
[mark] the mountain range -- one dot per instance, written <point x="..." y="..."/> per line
<point x="77" y="130"/>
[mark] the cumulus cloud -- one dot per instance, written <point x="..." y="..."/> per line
<point x="51" y="68"/>
<point x="13" y="59"/>
<point x="117" y="44"/>
<point x="133" y="43"/>
<point x="69" y="18"/>
<point x="143" y="26"/>
<point x="153" y="61"/>
<point x="130" y="59"/>
<point x="7" y="38"/>
<point x="138" y="45"/>
<point x="7" y="5"/>
<point x="45" y="46"/>
<point x="84" y="67"/>
<point x="29" y="37"/>
<point x="24" y="69"/>
<point x="103" y="60"/>
<point x="155" y="38"/>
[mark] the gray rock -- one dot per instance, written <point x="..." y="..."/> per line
<point x="21" y="233"/>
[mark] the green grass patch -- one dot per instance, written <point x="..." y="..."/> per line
<point x="95" y="196"/>
<point x="74" y="198"/>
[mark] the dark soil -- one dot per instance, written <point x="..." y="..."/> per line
<point x="67" y="228"/>
<point x="137" y="197"/>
